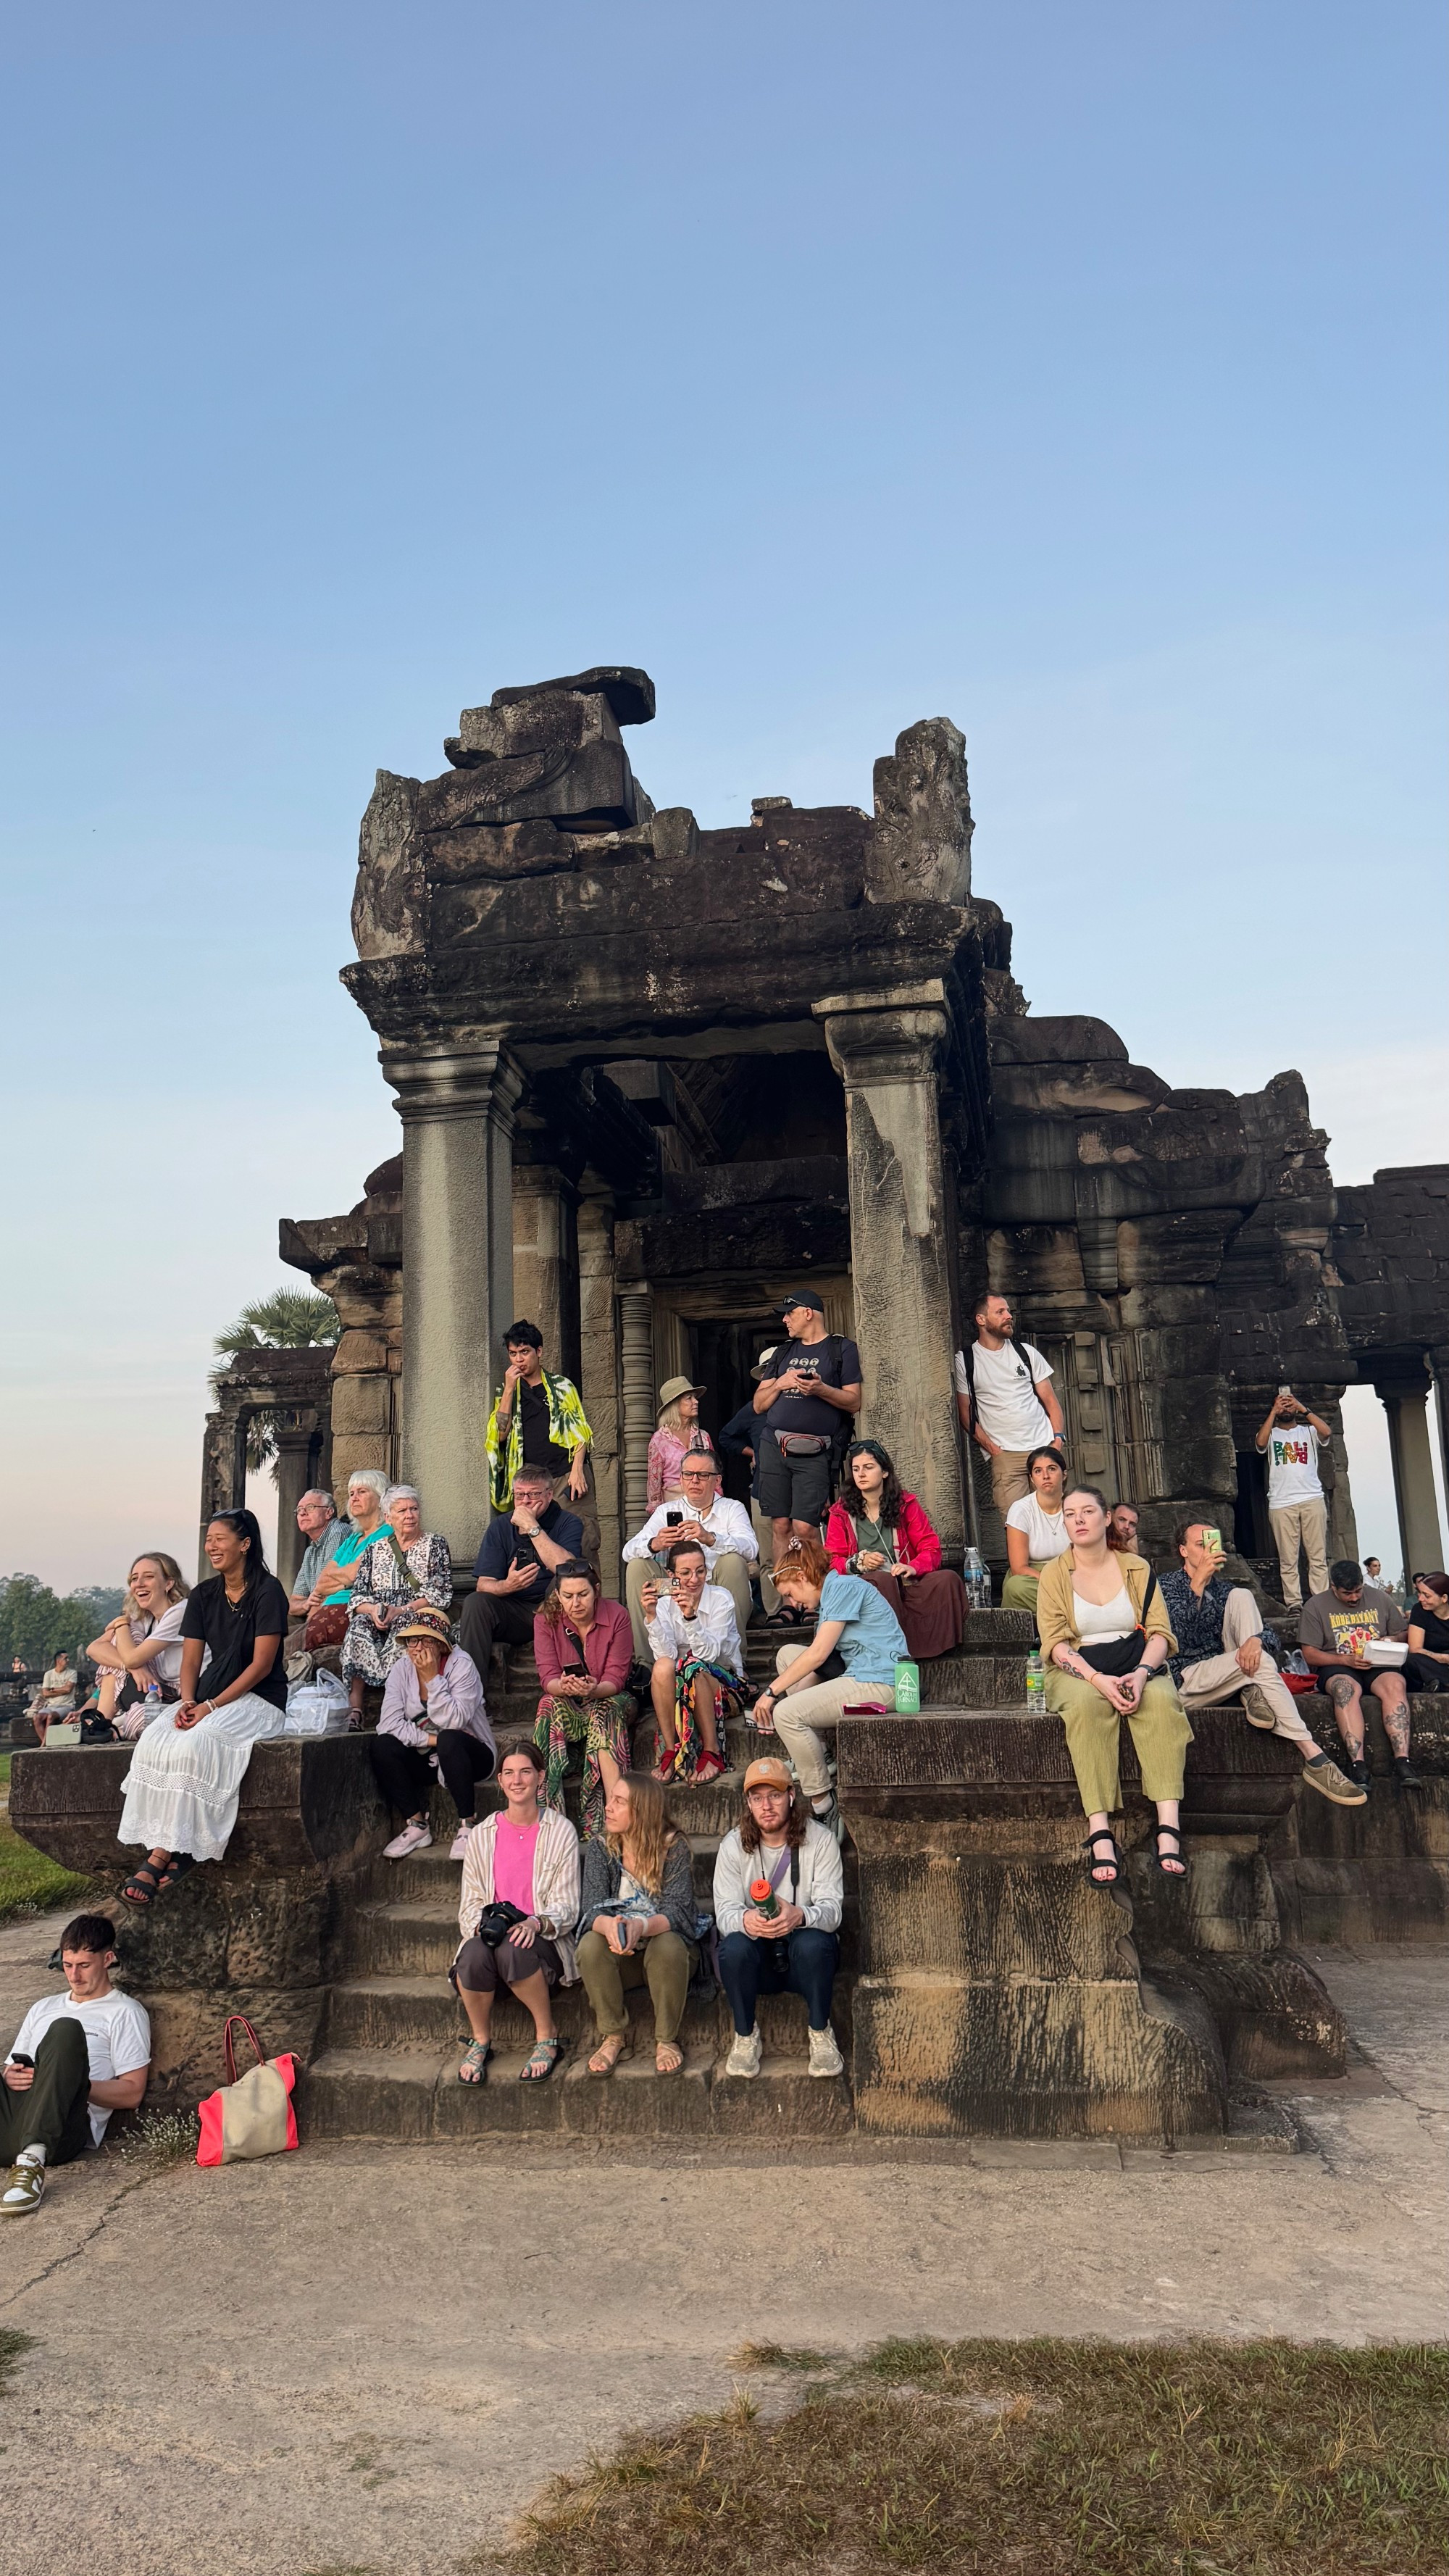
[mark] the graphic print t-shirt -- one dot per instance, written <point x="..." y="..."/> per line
<point x="1292" y="1455"/>
<point x="835" y="1362"/>
<point x="1335" y="1627"/>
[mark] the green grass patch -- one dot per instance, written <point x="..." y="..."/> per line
<point x="29" y="1883"/>
<point x="1034" y="2459"/>
<point x="4" y="1770"/>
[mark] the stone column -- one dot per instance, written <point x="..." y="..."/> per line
<point x="295" y="1432"/>
<point x="636" y="1372"/>
<point x="887" y="1049"/>
<point x="599" y="1362"/>
<point x="456" y="1102"/>
<point x="1413" y="1461"/>
<point x="546" y="1261"/>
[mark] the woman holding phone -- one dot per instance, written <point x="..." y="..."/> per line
<point x="1105" y="1638"/>
<point x="583" y="1646"/>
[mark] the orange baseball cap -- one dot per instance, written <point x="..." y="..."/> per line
<point x="769" y="1773"/>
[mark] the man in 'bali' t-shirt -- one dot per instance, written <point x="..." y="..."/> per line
<point x="1297" y="1504"/>
<point x="1333" y="1632"/>
<point x="1005" y="1399"/>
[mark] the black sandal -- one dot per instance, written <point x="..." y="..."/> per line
<point x="1157" y="1833"/>
<point x="144" y="1885"/>
<point x="1097" y="1860"/>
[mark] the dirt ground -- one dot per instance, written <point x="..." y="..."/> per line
<point x="368" y="2358"/>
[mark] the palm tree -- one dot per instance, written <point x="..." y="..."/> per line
<point x="291" y="1319"/>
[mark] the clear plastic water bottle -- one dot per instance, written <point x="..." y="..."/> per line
<point x="977" y="1580"/>
<point x="1035" y="1686"/>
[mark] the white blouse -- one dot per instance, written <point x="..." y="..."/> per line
<point x="1100" y="1622"/>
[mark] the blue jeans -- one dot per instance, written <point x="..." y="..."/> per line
<point x="804" y="1963"/>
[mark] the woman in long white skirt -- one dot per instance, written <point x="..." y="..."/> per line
<point x="186" y="1773"/>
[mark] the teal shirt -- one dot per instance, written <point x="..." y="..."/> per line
<point x="872" y="1641"/>
<point x="354" y="1546"/>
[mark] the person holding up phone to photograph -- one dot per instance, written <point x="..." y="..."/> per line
<point x="1297" y="1504"/>
<point x="721" y="1527"/>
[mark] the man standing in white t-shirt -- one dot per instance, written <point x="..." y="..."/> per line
<point x="1297" y="1505"/>
<point x="1005" y="1399"/>
<point x="75" y="2059"/>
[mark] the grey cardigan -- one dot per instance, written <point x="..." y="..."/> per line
<point x="603" y="1873"/>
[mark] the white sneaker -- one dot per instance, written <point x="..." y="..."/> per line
<point x="412" y="1838"/>
<point x="745" y="2054"/>
<point x="825" y="2057"/>
<point x="460" y="1843"/>
<point x="24" y="2190"/>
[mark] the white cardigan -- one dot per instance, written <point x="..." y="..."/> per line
<point x="555" y="1881"/>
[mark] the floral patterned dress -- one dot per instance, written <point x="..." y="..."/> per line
<point x="393" y="1578"/>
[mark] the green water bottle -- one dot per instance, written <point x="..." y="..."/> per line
<point x="908" y="1689"/>
<point x="1035" y="1687"/>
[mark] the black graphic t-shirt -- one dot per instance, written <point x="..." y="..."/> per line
<point x="835" y="1362"/>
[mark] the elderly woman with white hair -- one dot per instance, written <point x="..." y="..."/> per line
<point x="406" y="1568"/>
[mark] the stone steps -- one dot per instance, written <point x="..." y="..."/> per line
<point x="409" y="2013"/>
<point x="409" y="2094"/>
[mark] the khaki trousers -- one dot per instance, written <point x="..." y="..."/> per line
<point x="1305" y="1525"/>
<point x="1018" y="1592"/>
<point x="665" y="1965"/>
<point x="809" y="1701"/>
<point x="586" y="1509"/>
<point x="1160" y="1732"/>
<point x="1221" y="1677"/>
<point x="731" y="1571"/>
<point x="1009" y="1479"/>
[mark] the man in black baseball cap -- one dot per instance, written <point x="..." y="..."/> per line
<point x="809" y="1396"/>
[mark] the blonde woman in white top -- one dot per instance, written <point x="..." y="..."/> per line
<point x="144" y="1643"/>
<point x="1105" y="1638"/>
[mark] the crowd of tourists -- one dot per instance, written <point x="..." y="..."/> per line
<point x="834" y="1552"/>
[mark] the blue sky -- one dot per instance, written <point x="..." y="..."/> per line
<point x="1076" y="373"/>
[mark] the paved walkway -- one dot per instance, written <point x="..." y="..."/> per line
<point x="367" y="2359"/>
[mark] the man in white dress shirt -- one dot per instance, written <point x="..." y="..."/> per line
<point x="722" y="1528"/>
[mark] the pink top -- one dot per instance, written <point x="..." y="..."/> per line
<point x="513" y="1864"/>
<point x="608" y="1648"/>
<point x="666" y="1450"/>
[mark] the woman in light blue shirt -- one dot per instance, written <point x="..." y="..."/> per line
<point x="856" y="1624"/>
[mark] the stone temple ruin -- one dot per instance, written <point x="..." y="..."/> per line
<point x="650" y="1075"/>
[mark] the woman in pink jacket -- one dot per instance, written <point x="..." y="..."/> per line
<point x="877" y="1531"/>
<point x="583" y="1646"/>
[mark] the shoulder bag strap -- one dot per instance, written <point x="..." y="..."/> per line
<point x="239" y="2021"/>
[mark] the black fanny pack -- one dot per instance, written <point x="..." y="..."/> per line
<point x="1118" y="1656"/>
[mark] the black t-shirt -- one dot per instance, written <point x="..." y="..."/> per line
<point x="1436" y="1630"/>
<point x="538" y="1449"/>
<point x="231" y="1633"/>
<point x="836" y="1362"/>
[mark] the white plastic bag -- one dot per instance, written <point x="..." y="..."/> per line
<point x="318" y="1707"/>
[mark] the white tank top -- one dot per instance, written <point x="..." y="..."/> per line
<point x="1098" y="1622"/>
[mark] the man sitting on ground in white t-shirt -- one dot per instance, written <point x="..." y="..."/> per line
<point x="75" y="2059"/>
<point x="1005" y="1398"/>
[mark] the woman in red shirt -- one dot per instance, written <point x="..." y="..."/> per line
<point x="583" y="1646"/>
<point x="877" y="1531"/>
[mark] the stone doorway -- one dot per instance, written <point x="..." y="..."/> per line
<point x="723" y="1350"/>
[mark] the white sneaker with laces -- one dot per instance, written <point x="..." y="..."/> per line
<point x="460" y="1842"/>
<point x="25" y="2188"/>
<point x="412" y="1838"/>
<point x="745" y="2054"/>
<point x="825" y="2057"/>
